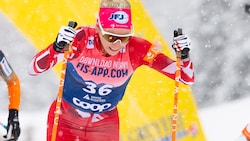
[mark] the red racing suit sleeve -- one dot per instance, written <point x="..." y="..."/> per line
<point x="167" y="67"/>
<point x="48" y="57"/>
<point x="152" y="57"/>
<point x="44" y="60"/>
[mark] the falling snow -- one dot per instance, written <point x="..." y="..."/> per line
<point x="220" y="34"/>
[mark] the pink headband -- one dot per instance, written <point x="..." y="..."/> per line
<point x="115" y="18"/>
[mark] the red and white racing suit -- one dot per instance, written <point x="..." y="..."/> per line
<point x="95" y="83"/>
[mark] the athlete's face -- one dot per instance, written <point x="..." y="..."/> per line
<point x="113" y="39"/>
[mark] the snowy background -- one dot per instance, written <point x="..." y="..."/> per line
<point x="220" y="34"/>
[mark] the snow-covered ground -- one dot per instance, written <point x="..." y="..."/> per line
<point x="220" y="123"/>
<point x="226" y="121"/>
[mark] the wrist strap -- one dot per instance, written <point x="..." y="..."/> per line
<point x="57" y="47"/>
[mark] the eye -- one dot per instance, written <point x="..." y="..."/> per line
<point x="112" y="38"/>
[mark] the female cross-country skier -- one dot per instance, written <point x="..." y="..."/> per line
<point x="13" y="83"/>
<point x="99" y="69"/>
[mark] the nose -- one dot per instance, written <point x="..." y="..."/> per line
<point x="117" y="41"/>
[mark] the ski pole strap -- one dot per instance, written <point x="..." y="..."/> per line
<point x="4" y="126"/>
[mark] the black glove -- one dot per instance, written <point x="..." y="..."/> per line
<point x="13" y="128"/>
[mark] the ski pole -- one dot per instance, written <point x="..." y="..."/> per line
<point x="176" y="88"/>
<point x="3" y="125"/>
<point x="67" y="51"/>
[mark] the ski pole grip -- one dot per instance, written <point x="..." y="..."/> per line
<point x="72" y="24"/>
<point x="178" y="32"/>
<point x="64" y="44"/>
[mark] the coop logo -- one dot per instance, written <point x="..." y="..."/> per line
<point x="120" y="17"/>
<point x="92" y="107"/>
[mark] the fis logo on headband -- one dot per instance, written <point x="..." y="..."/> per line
<point x="120" y="17"/>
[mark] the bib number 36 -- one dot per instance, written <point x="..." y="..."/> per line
<point x="103" y="90"/>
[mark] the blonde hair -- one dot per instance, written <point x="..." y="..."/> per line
<point x="115" y="4"/>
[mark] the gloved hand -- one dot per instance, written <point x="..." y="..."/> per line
<point x="13" y="129"/>
<point x="182" y="43"/>
<point x="65" y="36"/>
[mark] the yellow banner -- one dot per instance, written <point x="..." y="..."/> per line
<point x="147" y="108"/>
